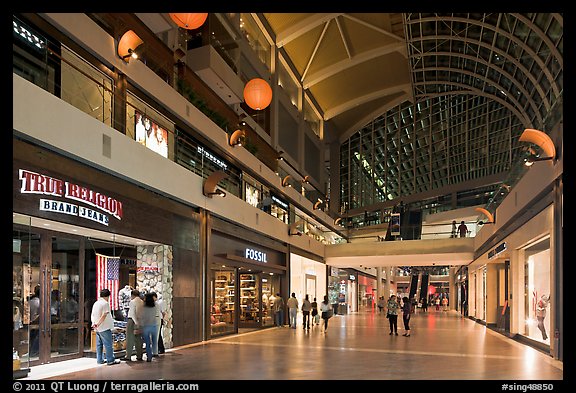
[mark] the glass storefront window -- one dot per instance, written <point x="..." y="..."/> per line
<point x="222" y="301"/>
<point x="270" y="287"/>
<point x="249" y="299"/>
<point x="538" y="302"/>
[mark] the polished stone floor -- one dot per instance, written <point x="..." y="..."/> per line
<point x="442" y="346"/>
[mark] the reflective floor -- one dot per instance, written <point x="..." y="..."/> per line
<point x="442" y="346"/>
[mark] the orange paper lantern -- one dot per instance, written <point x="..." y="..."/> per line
<point x="257" y="94"/>
<point x="189" y="21"/>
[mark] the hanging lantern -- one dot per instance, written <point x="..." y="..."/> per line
<point x="257" y="94"/>
<point x="189" y="21"/>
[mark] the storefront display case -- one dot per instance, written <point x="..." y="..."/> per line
<point x="249" y="299"/>
<point x="222" y="309"/>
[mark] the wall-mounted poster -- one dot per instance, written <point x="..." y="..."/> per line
<point x="150" y="134"/>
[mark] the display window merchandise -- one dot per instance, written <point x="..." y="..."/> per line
<point x="539" y="303"/>
<point x="57" y="277"/>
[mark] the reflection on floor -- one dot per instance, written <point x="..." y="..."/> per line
<point x="442" y="346"/>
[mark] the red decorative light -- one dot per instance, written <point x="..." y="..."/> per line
<point x="431" y="289"/>
<point x="189" y="21"/>
<point x="257" y="94"/>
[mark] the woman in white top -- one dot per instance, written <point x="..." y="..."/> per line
<point x="325" y="308"/>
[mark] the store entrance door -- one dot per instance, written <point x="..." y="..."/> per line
<point x="52" y="280"/>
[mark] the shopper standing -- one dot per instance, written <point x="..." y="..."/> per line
<point x="278" y="307"/>
<point x="392" y="314"/>
<point x="159" y="348"/>
<point x="462" y="229"/>
<point x="148" y="324"/>
<point x="325" y="309"/>
<point x="406" y="313"/>
<point x="133" y="334"/>
<point x="306" y="308"/>
<point x="381" y="304"/>
<point x="103" y="324"/>
<point x="292" y="304"/>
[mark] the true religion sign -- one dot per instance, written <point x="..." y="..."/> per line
<point x="36" y="183"/>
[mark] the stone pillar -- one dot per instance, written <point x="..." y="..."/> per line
<point x="154" y="273"/>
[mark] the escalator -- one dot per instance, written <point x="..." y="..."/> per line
<point x="424" y="286"/>
<point x="413" y="285"/>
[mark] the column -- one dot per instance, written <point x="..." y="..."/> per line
<point x="379" y="286"/>
<point x="452" y="288"/>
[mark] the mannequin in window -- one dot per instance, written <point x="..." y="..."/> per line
<point x="541" y="314"/>
<point x="124" y="297"/>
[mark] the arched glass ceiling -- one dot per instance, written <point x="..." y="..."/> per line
<point x="478" y="81"/>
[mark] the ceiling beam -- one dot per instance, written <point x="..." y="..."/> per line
<point x="437" y="192"/>
<point x="521" y="115"/>
<point x="335" y="111"/>
<point x="344" y="41"/>
<point x="378" y="29"/>
<point x="342" y="65"/>
<point x="512" y="38"/>
<point x="511" y="96"/>
<point x="302" y="27"/>
<point x="371" y="116"/>
<point x="502" y="71"/>
<point x="315" y="50"/>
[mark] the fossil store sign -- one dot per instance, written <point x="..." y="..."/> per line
<point x="36" y="183"/>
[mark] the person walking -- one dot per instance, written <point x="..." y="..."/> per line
<point x="306" y="308"/>
<point x="437" y="303"/>
<point x="148" y="324"/>
<point x="424" y="304"/>
<point x="133" y="334"/>
<point x="454" y="229"/>
<point x="278" y="308"/>
<point x="325" y="309"/>
<point x="381" y="304"/>
<point x="406" y="313"/>
<point x="103" y="324"/>
<point x="392" y="308"/>
<point x="462" y="229"/>
<point x="315" y="315"/>
<point x="292" y="304"/>
<point x="445" y="303"/>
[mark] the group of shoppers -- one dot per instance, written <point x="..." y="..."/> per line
<point x="311" y="311"/>
<point x="145" y="315"/>
<point x="393" y="307"/>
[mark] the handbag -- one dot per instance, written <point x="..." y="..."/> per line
<point x="387" y="315"/>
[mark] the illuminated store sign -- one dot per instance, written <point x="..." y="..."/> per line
<point x="212" y="158"/>
<point x="35" y="183"/>
<point x="255" y="255"/>
<point x="500" y="248"/>
<point x="25" y="34"/>
<point x="279" y="202"/>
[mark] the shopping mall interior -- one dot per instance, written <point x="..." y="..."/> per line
<point x="227" y="161"/>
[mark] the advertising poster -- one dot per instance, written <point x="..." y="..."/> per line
<point x="151" y="135"/>
<point x="395" y="224"/>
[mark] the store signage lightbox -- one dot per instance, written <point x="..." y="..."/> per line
<point x="255" y="255"/>
<point x="36" y="183"/>
<point x="150" y="134"/>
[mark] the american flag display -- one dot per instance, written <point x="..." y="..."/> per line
<point x="108" y="276"/>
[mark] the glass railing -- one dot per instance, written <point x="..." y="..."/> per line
<point x="420" y="232"/>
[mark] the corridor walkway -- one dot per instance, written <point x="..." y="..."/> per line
<point x="443" y="346"/>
